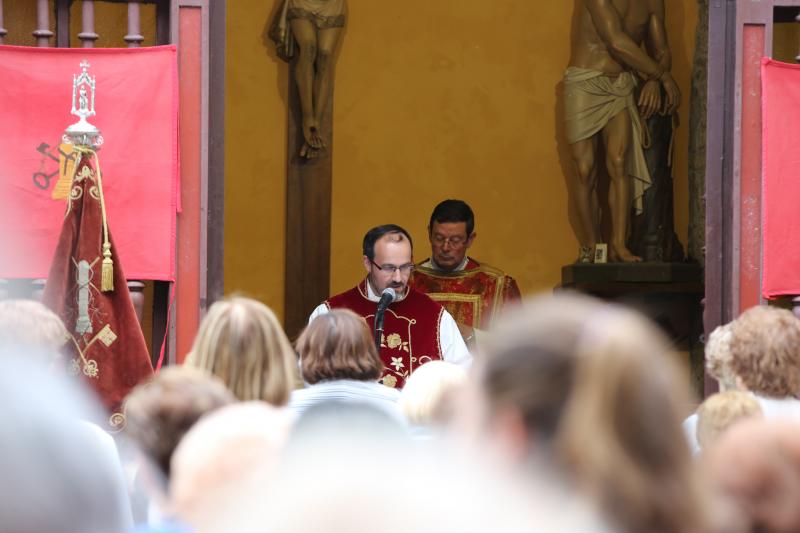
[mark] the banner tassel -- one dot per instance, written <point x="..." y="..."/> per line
<point x="107" y="273"/>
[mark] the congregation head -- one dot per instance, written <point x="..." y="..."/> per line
<point x="228" y="454"/>
<point x="594" y="388"/>
<point x="338" y="345"/>
<point x="241" y="341"/>
<point x="28" y="323"/>
<point x="764" y="351"/>
<point x="160" y="412"/>
<point x="61" y="470"/>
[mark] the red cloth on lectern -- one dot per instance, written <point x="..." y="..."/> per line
<point x="781" y="179"/>
<point x="137" y="113"/>
<point x="107" y="347"/>
<point x="475" y="296"/>
<point x="410" y="330"/>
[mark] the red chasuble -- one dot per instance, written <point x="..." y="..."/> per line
<point x="474" y="296"/>
<point x="410" y="330"/>
<point x="106" y="345"/>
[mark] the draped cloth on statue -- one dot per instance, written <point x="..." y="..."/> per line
<point x="107" y="346"/>
<point x="410" y="330"/>
<point x="475" y="296"/>
<point x="322" y="13"/>
<point x="591" y="99"/>
<point x="137" y="111"/>
<point x="781" y="182"/>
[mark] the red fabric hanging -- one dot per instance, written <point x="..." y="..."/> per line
<point x="137" y="113"/>
<point x="107" y="347"/>
<point x="781" y="178"/>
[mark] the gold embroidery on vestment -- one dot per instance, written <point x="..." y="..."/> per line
<point x="107" y="335"/>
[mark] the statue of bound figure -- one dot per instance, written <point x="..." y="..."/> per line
<point x="618" y="92"/>
<point x="315" y="27"/>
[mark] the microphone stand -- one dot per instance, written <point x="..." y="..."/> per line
<point x="379" y="328"/>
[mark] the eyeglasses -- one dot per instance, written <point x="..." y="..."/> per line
<point x="455" y="242"/>
<point x="391" y="269"/>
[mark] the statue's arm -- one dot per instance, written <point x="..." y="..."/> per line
<point x="659" y="48"/>
<point x="609" y="27"/>
<point x="657" y="36"/>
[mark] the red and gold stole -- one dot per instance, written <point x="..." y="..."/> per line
<point x="474" y="296"/>
<point x="410" y="330"/>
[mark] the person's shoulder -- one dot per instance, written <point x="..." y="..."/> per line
<point x="475" y="265"/>
<point x="332" y="301"/>
<point x="418" y="297"/>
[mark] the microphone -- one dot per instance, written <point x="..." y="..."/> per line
<point x="387" y="296"/>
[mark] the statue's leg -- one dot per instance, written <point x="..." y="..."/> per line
<point x="617" y="139"/>
<point x="306" y="36"/>
<point x="326" y="46"/>
<point x="582" y="189"/>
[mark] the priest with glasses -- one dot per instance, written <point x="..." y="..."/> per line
<point x="416" y="329"/>
<point x="473" y="292"/>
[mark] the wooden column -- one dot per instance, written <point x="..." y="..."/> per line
<point x="191" y="23"/>
<point x="308" y="219"/>
<point x="87" y="34"/>
<point x="134" y="37"/>
<point x="62" y="23"/>
<point x="750" y="167"/>
<point x="42" y="32"/>
<point x="3" y="31"/>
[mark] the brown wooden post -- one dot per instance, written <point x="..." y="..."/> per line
<point x="87" y="34"/>
<point x="62" y="23"/>
<point x="3" y="31"/>
<point x="308" y="219"/>
<point x="42" y="32"/>
<point x="191" y="22"/>
<point x="134" y="37"/>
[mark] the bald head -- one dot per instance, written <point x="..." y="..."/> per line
<point x="224" y="456"/>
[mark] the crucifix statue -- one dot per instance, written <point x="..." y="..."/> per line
<point x="315" y="28"/>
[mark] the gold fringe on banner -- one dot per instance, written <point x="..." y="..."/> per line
<point x="107" y="270"/>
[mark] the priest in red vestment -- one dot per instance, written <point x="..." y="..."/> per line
<point x="473" y="292"/>
<point x="416" y="329"/>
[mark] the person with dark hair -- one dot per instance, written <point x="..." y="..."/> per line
<point x="473" y="292"/>
<point x="416" y="329"/>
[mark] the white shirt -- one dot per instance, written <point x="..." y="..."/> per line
<point x="430" y="263"/>
<point x="346" y="390"/>
<point x="453" y="348"/>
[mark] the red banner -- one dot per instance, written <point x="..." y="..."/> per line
<point x="781" y="179"/>
<point x="86" y="287"/>
<point x="136" y="104"/>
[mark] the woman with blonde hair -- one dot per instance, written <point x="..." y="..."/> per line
<point x="594" y="390"/>
<point x="241" y="342"/>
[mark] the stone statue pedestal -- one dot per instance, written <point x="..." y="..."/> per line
<point x="670" y="294"/>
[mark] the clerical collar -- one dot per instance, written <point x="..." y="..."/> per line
<point x="373" y="297"/>
<point x="430" y="263"/>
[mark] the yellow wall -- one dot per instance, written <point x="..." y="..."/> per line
<point x="451" y="98"/>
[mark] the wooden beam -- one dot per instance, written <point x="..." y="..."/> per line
<point x="308" y="219"/>
<point x="215" y="234"/>
<point x="188" y="291"/>
<point x="719" y="252"/>
<point x="750" y="168"/>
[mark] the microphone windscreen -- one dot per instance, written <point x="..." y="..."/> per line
<point x="388" y="291"/>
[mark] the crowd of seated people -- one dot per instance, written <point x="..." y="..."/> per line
<point x="574" y="417"/>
